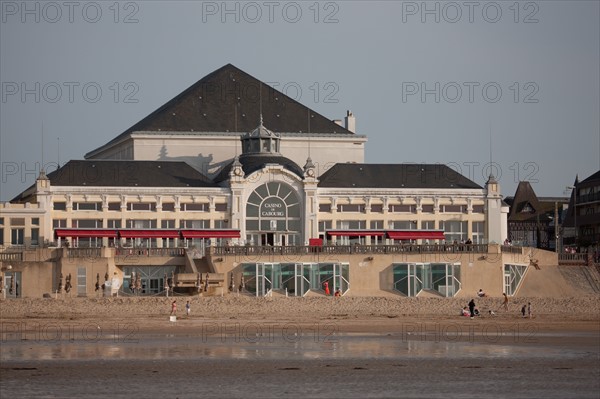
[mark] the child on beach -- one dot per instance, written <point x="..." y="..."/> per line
<point x="174" y="308"/>
<point x="187" y="309"/>
<point x="523" y="309"/>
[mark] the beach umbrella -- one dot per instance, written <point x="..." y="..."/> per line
<point x="60" y="283"/>
<point x="12" y="285"/>
<point x="68" y="283"/>
<point x="1" y="284"/>
<point x="242" y="283"/>
<point x="97" y="281"/>
<point x="166" y="283"/>
<point x="206" y="283"/>
<point x="199" y="282"/>
<point x="231" y="284"/>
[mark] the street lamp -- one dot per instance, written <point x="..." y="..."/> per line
<point x="574" y="188"/>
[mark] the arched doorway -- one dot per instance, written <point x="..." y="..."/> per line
<point x="273" y="215"/>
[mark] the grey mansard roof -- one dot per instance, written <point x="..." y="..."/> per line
<point x="111" y="173"/>
<point x="419" y="176"/>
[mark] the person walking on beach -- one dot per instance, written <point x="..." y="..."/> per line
<point x="472" y="308"/>
<point x="326" y="288"/>
<point x="523" y="310"/>
<point x="187" y="309"/>
<point x="505" y="303"/>
<point x="529" y="314"/>
<point x="174" y="308"/>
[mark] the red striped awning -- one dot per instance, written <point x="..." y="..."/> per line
<point x="210" y="233"/>
<point x="83" y="233"/>
<point x="149" y="233"/>
<point x="355" y="233"/>
<point x="416" y="234"/>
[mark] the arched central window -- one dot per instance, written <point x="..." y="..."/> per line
<point x="273" y="215"/>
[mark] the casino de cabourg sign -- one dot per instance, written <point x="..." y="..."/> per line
<point x="273" y="207"/>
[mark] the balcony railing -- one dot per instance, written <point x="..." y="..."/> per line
<point x="11" y="256"/>
<point x="150" y="252"/>
<point x="348" y="249"/>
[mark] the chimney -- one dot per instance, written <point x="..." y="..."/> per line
<point x="350" y="122"/>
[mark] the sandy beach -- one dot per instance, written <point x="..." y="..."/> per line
<point x="241" y="346"/>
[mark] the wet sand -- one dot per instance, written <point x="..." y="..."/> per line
<point x="248" y="347"/>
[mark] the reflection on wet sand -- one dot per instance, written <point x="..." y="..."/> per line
<point x="340" y="346"/>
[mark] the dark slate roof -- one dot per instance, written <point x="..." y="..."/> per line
<point x="102" y="173"/>
<point x="523" y="200"/>
<point x="209" y="105"/>
<point x="592" y="179"/>
<point x="253" y="162"/>
<point x="128" y="173"/>
<point x="394" y="176"/>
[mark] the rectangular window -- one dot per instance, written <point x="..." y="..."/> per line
<point x="376" y="224"/>
<point x="35" y="221"/>
<point x="87" y="206"/>
<point x="428" y="224"/>
<point x="324" y="207"/>
<point x="35" y="236"/>
<point x="351" y="208"/>
<point x="427" y="208"/>
<point x="403" y="208"/>
<point x="86" y="223"/>
<point x="194" y="224"/>
<point x="478" y="209"/>
<point x="113" y="223"/>
<point x="324" y="225"/>
<point x="167" y="224"/>
<point x="221" y="224"/>
<point x="351" y="224"/>
<point x="60" y="206"/>
<point x="168" y="206"/>
<point x="1" y="237"/>
<point x="1" y="221"/>
<point x="478" y="232"/>
<point x="17" y="236"/>
<point x="377" y="208"/>
<point x="193" y="207"/>
<point x="141" y="224"/>
<point x="403" y="225"/>
<point x="455" y="230"/>
<point x="114" y="206"/>
<point x="453" y="208"/>
<point x="221" y="207"/>
<point x="141" y="206"/>
<point x="59" y="223"/>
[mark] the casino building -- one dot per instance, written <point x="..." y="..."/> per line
<point x="233" y="186"/>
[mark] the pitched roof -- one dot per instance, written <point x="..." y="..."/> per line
<point x="525" y="205"/>
<point x="362" y="175"/>
<point x="230" y="100"/>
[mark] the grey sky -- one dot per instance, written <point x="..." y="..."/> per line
<point x="374" y="58"/>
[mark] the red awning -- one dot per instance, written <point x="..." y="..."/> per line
<point x="355" y="233"/>
<point x="210" y="233"/>
<point x="150" y="233"/>
<point x="416" y="235"/>
<point x="82" y="233"/>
